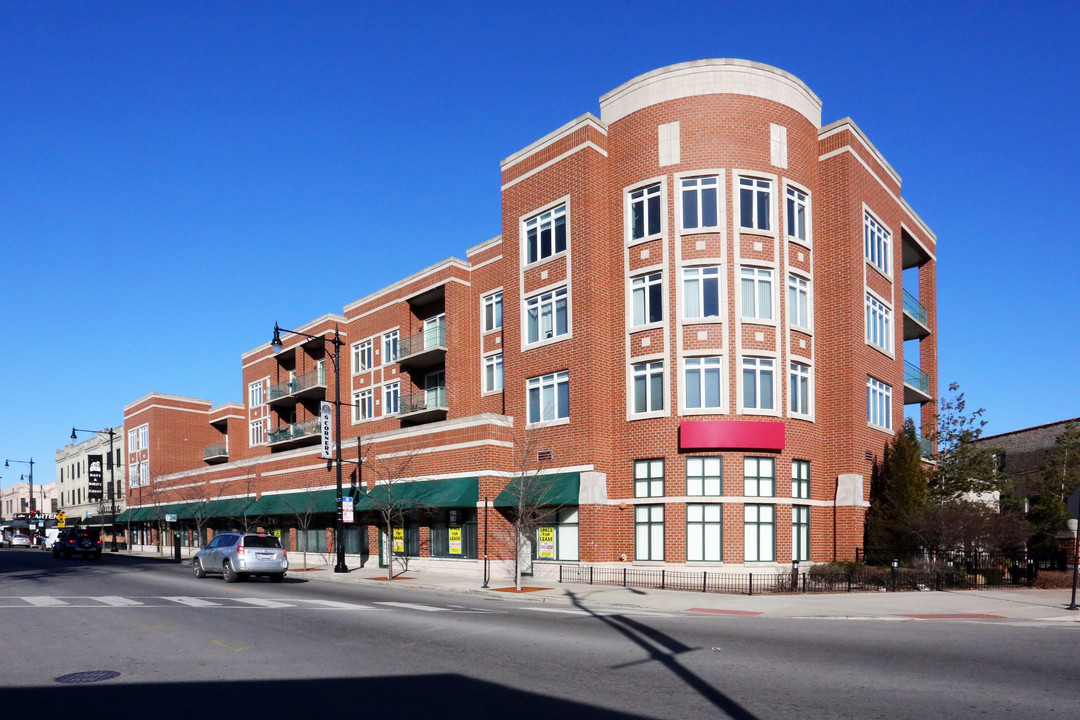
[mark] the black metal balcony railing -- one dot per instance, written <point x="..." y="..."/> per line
<point x="216" y="451"/>
<point x="314" y="380"/>
<point x="295" y="431"/>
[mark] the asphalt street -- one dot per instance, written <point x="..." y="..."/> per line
<point x="140" y="635"/>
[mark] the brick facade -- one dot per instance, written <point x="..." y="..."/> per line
<point x="623" y="319"/>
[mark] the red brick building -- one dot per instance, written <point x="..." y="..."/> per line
<point x="692" y="327"/>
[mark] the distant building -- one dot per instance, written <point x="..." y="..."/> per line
<point x="73" y="477"/>
<point x="1022" y="455"/>
<point x="15" y="500"/>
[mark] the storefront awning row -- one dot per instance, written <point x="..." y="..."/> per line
<point x="555" y="490"/>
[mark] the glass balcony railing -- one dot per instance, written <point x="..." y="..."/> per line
<point x="914" y="308"/>
<point x="916" y="378"/>
<point x="423" y="345"/>
<point x="926" y="448"/>
<point x="296" y="431"/>
<point x="316" y="379"/>
<point x="219" y="450"/>
<point x="431" y="399"/>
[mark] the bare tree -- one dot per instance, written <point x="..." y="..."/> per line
<point x="529" y="495"/>
<point x="390" y="499"/>
<point x="303" y="507"/>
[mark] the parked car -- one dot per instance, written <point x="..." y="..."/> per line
<point x="78" y="540"/>
<point x="19" y="540"/>
<point x="238" y="555"/>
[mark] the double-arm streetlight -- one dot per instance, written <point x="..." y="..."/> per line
<point x="112" y="476"/>
<point x="29" y="462"/>
<point x="337" y="342"/>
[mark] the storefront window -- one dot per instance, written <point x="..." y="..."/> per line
<point x="557" y="536"/>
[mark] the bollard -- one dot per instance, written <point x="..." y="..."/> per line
<point x="176" y="546"/>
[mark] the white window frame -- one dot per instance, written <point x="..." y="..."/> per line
<point x="542" y="395"/>
<point x="878" y="404"/>
<point x="363" y="358"/>
<point x="705" y="476"/>
<point x="649" y="478"/>
<point x="647" y="372"/>
<point x="492" y="313"/>
<point x="698" y="278"/>
<point x="548" y="218"/>
<point x="391" y="397"/>
<point x="760" y="280"/>
<point x="492" y="373"/>
<point x="550" y="302"/>
<point x="700" y="187"/>
<point x="759" y="533"/>
<point x="757" y="366"/>
<point x="390" y="346"/>
<point x="646" y="296"/>
<point x="650" y="198"/>
<point x="799" y="315"/>
<point x="800" y="389"/>
<point x="758" y="190"/>
<point x="797" y="214"/>
<point x="144" y="436"/>
<point x="144" y="473"/>
<point x="704" y="532"/>
<point x="700" y="367"/>
<point x="879" y="323"/>
<point x="133" y="440"/>
<point x="363" y="405"/>
<point x="257" y="432"/>
<point x="877" y="243"/>
<point x="649" y="533"/>
<point x="255" y="393"/>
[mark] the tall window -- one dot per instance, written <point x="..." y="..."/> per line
<point x="361" y="357"/>
<point x="877" y="243"/>
<point x="133" y="476"/>
<point x="756" y="293"/>
<point x="645" y="212"/>
<point x="878" y="403"/>
<point x="701" y="292"/>
<point x="759" y="533"/>
<point x="648" y="380"/>
<point x="649" y="478"/>
<point x="758" y="387"/>
<point x="548" y="397"/>
<point x="256" y="435"/>
<point x="363" y="405"/>
<point x="144" y="437"/>
<point x="493" y="311"/>
<point x="545" y="315"/>
<point x="648" y="299"/>
<point x="755" y="203"/>
<point x="144" y="473"/>
<point x="796" y="214"/>
<point x="255" y="394"/>
<point x="798" y="301"/>
<point x="390" y="346"/>
<point x="546" y="234"/>
<point x="493" y="373"/>
<point x="878" y="323"/>
<point x="759" y="477"/>
<point x="700" y="202"/>
<point x="799" y="391"/>
<point x="704" y="533"/>
<point x="800" y="532"/>
<point x="391" y="398"/>
<point x="800" y="479"/>
<point x="649" y="532"/>
<point x="133" y="440"/>
<point x="702" y="383"/>
<point x="704" y="476"/>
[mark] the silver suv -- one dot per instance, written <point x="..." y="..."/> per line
<point x="236" y="555"/>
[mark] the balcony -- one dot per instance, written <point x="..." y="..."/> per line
<point x="915" y="323"/>
<point x="424" y="406"/>
<point x="217" y="453"/>
<point x="926" y="448"/>
<point x="916" y="385"/>
<point x="424" y="349"/>
<point x="301" y="433"/>
<point x="308" y="385"/>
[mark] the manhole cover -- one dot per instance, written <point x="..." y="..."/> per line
<point x="87" y="677"/>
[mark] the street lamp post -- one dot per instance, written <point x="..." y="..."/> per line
<point x="337" y="342"/>
<point x="29" y="462"/>
<point x="112" y="477"/>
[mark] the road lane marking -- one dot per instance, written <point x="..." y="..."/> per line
<point x="334" y="604"/>
<point x="413" y="606"/>
<point x="43" y="601"/>
<point x="560" y="611"/>
<point x="265" y="603"/>
<point x="114" y="601"/>
<point x="192" y="601"/>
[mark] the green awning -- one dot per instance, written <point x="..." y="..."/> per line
<point x="297" y="503"/>
<point x="555" y="490"/>
<point x="453" y="493"/>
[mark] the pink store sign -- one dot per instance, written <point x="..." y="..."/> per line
<point x="731" y="435"/>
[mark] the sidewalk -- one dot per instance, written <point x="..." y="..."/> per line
<point x="992" y="605"/>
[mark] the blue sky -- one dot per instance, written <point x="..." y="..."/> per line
<point x="168" y="168"/>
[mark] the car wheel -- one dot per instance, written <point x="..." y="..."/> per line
<point x="278" y="577"/>
<point x="228" y="573"/>
<point x="197" y="569"/>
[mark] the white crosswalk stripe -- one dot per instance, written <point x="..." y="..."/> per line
<point x="414" y="606"/>
<point x="43" y="601"/>
<point x="334" y="604"/>
<point x="115" y="601"/>
<point x="259" y="602"/>
<point x="192" y="601"/>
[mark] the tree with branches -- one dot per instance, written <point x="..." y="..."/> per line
<point x="898" y="493"/>
<point x="389" y="499"/>
<point x="1060" y="477"/>
<point x="965" y="467"/>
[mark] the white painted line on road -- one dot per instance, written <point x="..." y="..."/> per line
<point x="561" y="611"/>
<point x="265" y="603"/>
<point x="114" y="601"/>
<point x="334" y="604"/>
<point x="412" y="606"/>
<point x="192" y="601"/>
<point x="42" y="601"/>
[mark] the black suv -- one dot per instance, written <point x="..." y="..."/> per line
<point x="78" y="540"/>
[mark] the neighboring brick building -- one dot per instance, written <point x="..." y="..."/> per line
<point x="695" y="297"/>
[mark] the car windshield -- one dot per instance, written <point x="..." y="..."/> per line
<point x="261" y="541"/>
